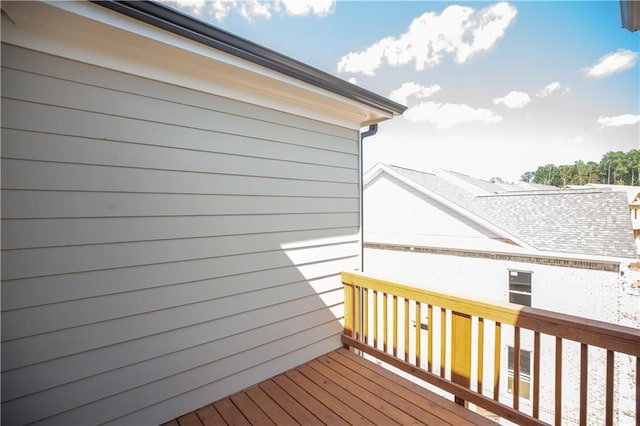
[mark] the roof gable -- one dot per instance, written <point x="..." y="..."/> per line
<point x="457" y="200"/>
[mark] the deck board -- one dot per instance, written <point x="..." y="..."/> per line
<point x="336" y="389"/>
<point x="442" y="408"/>
<point x="269" y="406"/>
<point x="323" y="413"/>
<point x="250" y="409"/>
<point x="400" y="401"/>
<point x="208" y="415"/>
<point x="350" y="399"/>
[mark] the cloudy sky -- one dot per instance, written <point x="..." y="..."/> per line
<point x="493" y="88"/>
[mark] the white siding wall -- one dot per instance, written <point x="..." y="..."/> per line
<point x="161" y="247"/>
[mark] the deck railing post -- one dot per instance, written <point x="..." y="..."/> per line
<point x="348" y="309"/>
<point x="461" y="351"/>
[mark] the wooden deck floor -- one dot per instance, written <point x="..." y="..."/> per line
<point x="336" y="389"/>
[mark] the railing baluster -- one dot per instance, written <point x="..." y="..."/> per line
<point x="385" y="321"/>
<point x="443" y="340"/>
<point x="608" y="421"/>
<point x="365" y="314"/>
<point x="395" y="325"/>
<point x="480" y="348"/>
<point x="375" y="318"/>
<point x="558" y="389"/>
<point x="496" y="361"/>
<point x="584" y="361"/>
<point x="516" y="368"/>
<point x="356" y="312"/>
<point x="406" y="329"/>
<point x="536" y="375"/>
<point x="418" y="334"/>
<point x="430" y="338"/>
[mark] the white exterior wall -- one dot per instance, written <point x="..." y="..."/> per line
<point x="161" y="247"/>
<point x="554" y="288"/>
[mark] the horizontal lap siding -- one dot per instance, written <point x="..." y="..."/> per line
<point x="161" y="247"/>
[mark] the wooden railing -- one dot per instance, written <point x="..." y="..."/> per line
<point x="574" y="368"/>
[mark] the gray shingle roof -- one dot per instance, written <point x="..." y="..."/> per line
<point x="579" y="221"/>
<point x="438" y="185"/>
<point x="568" y="221"/>
<point x="480" y="183"/>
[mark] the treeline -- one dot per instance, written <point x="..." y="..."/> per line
<point x="615" y="167"/>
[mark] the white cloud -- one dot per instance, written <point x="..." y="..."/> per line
<point x="448" y="115"/>
<point x="307" y="7"/>
<point x="619" y="120"/>
<point x="402" y="94"/>
<point x="513" y="100"/>
<point x="218" y="9"/>
<point x="612" y="63"/>
<point x="549" y="89"/>
<point x="353" y="80"/>
<point x="461" y="32"/>
<point x="252" y="9"/>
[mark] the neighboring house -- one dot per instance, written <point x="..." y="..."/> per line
<point x="177" y="205"/>
<point x="567" y="251"/>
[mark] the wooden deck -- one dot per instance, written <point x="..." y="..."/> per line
<point x="338" y="388"/>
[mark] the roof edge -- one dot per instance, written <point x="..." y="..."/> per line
<point x="174" y="21"/>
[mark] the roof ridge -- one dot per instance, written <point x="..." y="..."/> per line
<point x="546" y="192"/>
<point x="409" y="169"/>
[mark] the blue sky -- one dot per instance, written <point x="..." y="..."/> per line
<point x="494" y="89"/>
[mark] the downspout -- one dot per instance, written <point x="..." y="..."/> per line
<point x="373" y="129"/>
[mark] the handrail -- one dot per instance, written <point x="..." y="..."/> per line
<point x="372" y="306"/>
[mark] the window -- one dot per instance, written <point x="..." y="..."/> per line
<point x="525" y="372"/>
<point x="520" y="287"/>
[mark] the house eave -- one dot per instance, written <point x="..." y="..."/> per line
<point x="166" y="18"/>
<point x="74" y="30"/>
